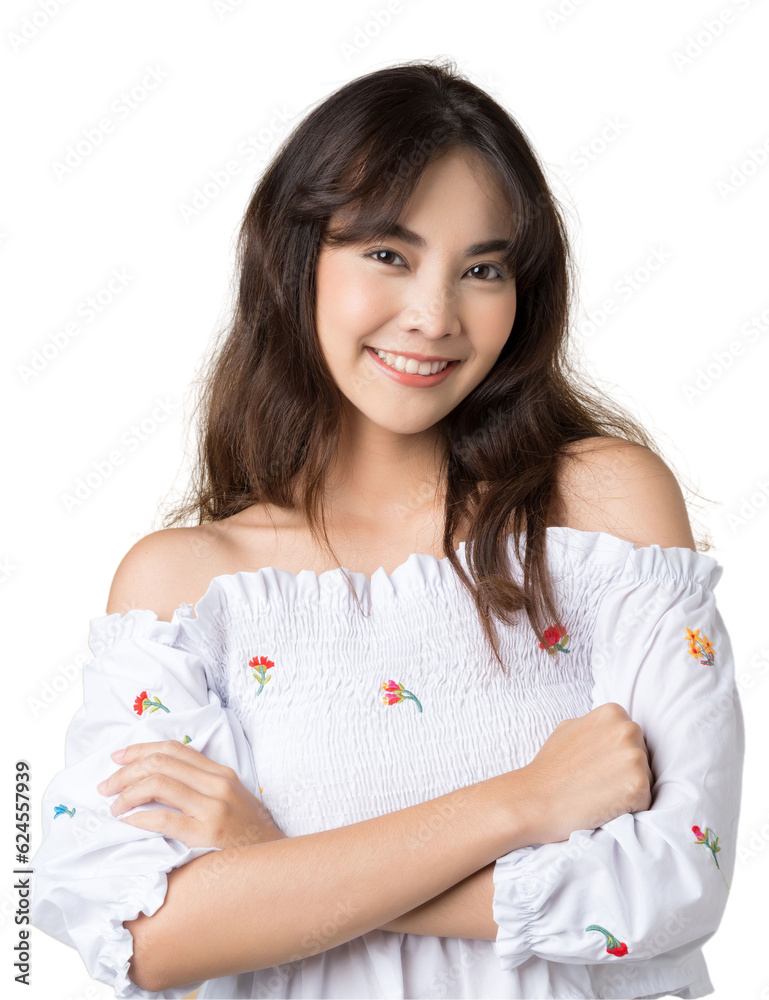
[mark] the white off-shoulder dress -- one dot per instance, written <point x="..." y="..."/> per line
<point x="335" y="716"/>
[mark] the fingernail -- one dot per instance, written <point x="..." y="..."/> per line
<point x="118" y="754"/>
<point x="101" y="786"/>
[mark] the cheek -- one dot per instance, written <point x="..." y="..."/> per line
<point x="492" y="323"/>
<point x="348" y="302"/>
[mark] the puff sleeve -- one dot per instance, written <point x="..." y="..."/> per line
<point x="651" y="886"/>
<point x="92" y="871"/>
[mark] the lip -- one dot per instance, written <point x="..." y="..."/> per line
<point x="416" y="381"/>
<point x="408" y="354"/>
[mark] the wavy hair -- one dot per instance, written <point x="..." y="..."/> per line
<point x="271" y="413"/>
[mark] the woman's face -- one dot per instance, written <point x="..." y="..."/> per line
<point x="430" y="298"/>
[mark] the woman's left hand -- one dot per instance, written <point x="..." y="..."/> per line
<point x="216" y="810"/>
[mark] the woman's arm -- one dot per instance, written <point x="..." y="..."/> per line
<point x="652" y="883"/>
<point x="463" y="911"/>
<point x="267" y="904"/>
<point x="253" y="907"/>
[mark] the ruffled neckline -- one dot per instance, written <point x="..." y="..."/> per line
<point x="609" y="558"/>
<point x="421" y="570"/>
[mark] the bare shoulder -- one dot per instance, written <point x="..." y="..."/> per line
<point x="625" y="489"/>
<point x="164" y="569"/>
<point x="175" y="566"/>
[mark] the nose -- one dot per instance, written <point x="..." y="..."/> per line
<point x="432" y="311"/>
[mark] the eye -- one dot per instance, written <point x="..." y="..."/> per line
<point x="375" y="254"/>
<point x="501" y="276"/>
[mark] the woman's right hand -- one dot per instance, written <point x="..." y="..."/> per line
<point x="589" y="771"/>
<point x="214" y="808"/>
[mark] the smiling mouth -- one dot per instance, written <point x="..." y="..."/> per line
<point x="412" y="366"/>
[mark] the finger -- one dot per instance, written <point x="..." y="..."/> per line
<point x="165" y="790"/>
<point x="187" y="765"/>
<point x="180" y="828"/>
<point x="173" y="748"/>
<point x="169" y="824"/>
<point x="154" y="763"/>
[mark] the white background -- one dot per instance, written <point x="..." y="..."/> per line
<point x="669" y="101"/>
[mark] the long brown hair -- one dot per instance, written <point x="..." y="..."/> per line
<point x="271" y="411"/>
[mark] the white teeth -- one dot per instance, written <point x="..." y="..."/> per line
<point x="411" y="365"/>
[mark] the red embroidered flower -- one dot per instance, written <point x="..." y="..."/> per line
<point x="708" y="839"/>
<point x="260" y="665"/>
<point x="555" y="639"/>
<point x="396" y="693"/>
<point x="613" y="945"/>
<point x="144" y="703"/>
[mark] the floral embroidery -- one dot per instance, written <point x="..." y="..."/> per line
<point x="60" y="810"/>
<point x="707" y="840"/>
<point x="700" y="647"/>
<point x="186" y="740"/>
<point x="396" y="693"/>
<point x="613" y="946"/>
<point x="144" y="702"/>
<point x="260" y="666"/>
<point x="555" y="639"/>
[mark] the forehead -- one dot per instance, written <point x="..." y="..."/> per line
<point x="461" y="162"/>
<point x="458" y="184"/>
<point x="464" y="176"/>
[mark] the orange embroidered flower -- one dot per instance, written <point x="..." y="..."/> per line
<point x="555" y="639"/>
<point x="700" y="648"/>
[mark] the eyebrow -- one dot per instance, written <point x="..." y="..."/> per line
<point x="397" y="231"/>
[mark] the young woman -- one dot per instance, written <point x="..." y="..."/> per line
<point x="501" y="756"/>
